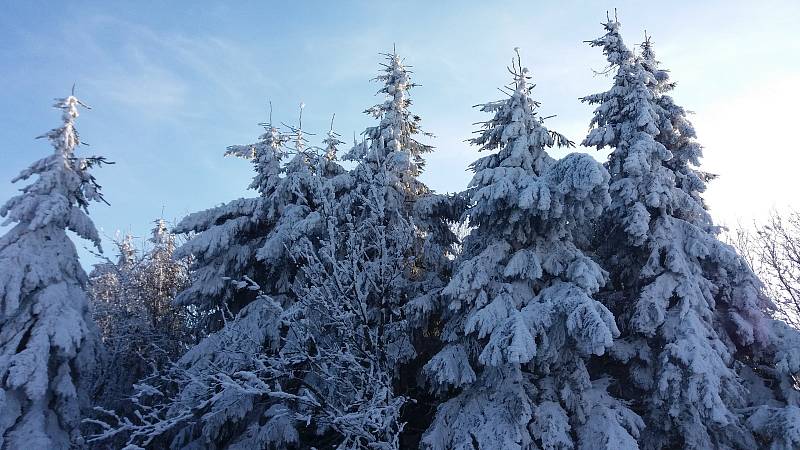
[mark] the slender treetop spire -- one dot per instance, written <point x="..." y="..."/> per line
<point x="61" y="194"/>
<point x="331" y="142"/>
<point x="397" y="128"/>
<point x="516" y="128"/>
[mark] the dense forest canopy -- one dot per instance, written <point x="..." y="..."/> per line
<point x="553" y="303"/>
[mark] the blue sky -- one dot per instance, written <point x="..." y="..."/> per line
<point x="172" y="84"/>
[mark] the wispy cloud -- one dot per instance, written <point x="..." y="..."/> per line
<point x="145" y="88"/>
<point x="158" y="74"/>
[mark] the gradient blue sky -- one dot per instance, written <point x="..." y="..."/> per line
<point x="172" y="84"/>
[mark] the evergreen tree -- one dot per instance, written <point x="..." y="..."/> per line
<point x="390" y="160"/>
<point x="775" y="414"/>
<point x="347" y="332"/>
<point x="385" y="244"/>
<point x="226" y="238"/>
<point x="385" y="177"/>
<point x="676" y="132"/>
<point x="688" y="305"/>
<point x="251" y="237"/>
<point x="48" y="341"/>
<point x="293" y="211"/>
<point x="327" y="165"/>
<point x="522" y="323"/>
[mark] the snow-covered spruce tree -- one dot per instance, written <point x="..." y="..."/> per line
<point x="48" y="342"/>
<point x="226" y="238"/>
<point x="392" y="157"/>
<point x="695" y="344"/>
<point x="294" y="211"/>
<point x="522" y="323"/>
<point x="327" y="165"/>
<point x="388" y="163"/>
<point x="251" y="237"/>
<point x="258" y="405"/>
<point x="382" y="217"/>
<point x="773" y="416"/>
<point x="676" y="132"/>
<point x="262" y="397"/>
